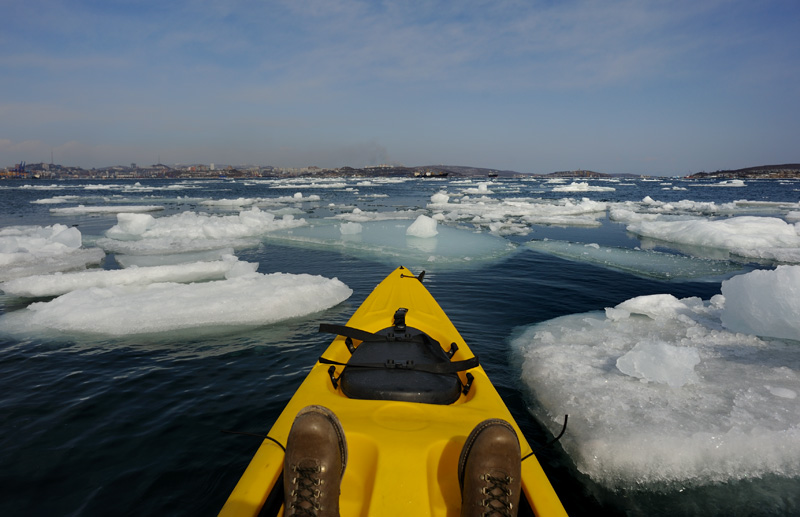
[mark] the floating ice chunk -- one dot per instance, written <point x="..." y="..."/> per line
<point x="660" y="362"/>
<point x="482" y="188"/>
<point x="764" y="302"/>
<point x="737" y="232"/>
<point x="424" y="227"/>
<point x="245" y="300"/>
<point x="582" y="186"/>
<point x="30" y="250"/>
<point x="232" y="203"/>
<point x="644" y="263"/>
<point x="723" y="183"/>
<point x="55" y="200"/>
<point x="440" y="198"/>
<point x="190" y="231"/>
<point x="350" y="228"/>
<point x="793" y="216"/>
<point x="81" y="209"/>
<point x="360" y="216"/>
<point x="733" y="418"/>
<point x="62" y="283"/>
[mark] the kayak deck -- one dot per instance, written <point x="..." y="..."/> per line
<point x="402" y="456"/>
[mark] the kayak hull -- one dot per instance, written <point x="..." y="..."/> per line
<point x="402" y="456"/>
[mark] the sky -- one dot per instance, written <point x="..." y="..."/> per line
<point x="614" y="86"/>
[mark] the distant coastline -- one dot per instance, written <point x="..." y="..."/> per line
<point x="788" y="170"/>
<point x="39" y="171"/>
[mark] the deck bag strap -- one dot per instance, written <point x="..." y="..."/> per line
<point x="442" y="368"/>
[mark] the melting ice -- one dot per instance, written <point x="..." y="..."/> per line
<point x="663" y="390"/>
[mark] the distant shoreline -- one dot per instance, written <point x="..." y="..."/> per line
<point x="43" y="171"/>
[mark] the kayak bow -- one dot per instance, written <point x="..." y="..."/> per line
<point x="408" y="391"/>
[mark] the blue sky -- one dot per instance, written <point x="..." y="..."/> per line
<point x="658" y="87"/>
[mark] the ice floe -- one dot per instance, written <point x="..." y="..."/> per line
<point x="746" y="232"/>
<point x="644" y="263"/>
<point x="249" y="299"/>
<point x="659" y="391"/>
<point x="31" y="250"/>
<point x="82" y="210"/>
<point x="516" y="215"/>
<point x="190" y="231"/>
<point x="582" y="186"/>
<point x="38" y="286"/>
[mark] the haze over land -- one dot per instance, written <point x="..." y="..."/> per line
<point x="615" y="87"/>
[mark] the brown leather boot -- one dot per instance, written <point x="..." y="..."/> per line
<point x="316" y="456"/>
<point x="489" y="470"/>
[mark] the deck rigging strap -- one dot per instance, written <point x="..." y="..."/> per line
<point x="363" y="335"/>
<point x="443" y="367"/>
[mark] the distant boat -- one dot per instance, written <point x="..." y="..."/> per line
<point x="492" y="174"/>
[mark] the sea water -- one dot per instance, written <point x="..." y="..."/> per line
<point x="141" y="318"/>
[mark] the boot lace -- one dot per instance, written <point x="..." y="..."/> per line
<point x="305" y="493"/>
<point x="497" y="502"/>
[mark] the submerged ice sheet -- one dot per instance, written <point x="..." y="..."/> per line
<point x="32" y="250"/>
<point x="645" y="263"/>
<point x="389" y="241"/>
<point x="62" y="283"/>
<point x="659" y="392"/>
<point x="246" y="300"/>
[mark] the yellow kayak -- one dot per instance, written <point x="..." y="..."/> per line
<point x="405" y="416"/>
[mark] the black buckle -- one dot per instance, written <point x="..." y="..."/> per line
<point x="400" y="319"/>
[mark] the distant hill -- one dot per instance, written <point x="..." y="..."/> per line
<point x="787" y="170"/>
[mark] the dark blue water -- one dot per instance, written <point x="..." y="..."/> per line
<point x="132" y="425"/>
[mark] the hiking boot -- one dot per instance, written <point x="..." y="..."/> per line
<point x="316" y="456"/>
<point x="489" y="470"/>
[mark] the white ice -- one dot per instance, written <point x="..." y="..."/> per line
<point x="658" y="391"/>
<point x="55" y="200"/>
<point x="423" y="227"/>
<point x="61" y="283"/>
<point x="138" y="234"/>
<point x="388" y="241"/>
<point x="644" y="263"/>
<point x="744" y="232"/>
<point x="82" y="210"/>
<point x="515" y="215"/>
<point x="250" y="299"/>
<point x="764" y="303"/>
<point x="32" y="250"/>
<point x="582" y="186"/>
